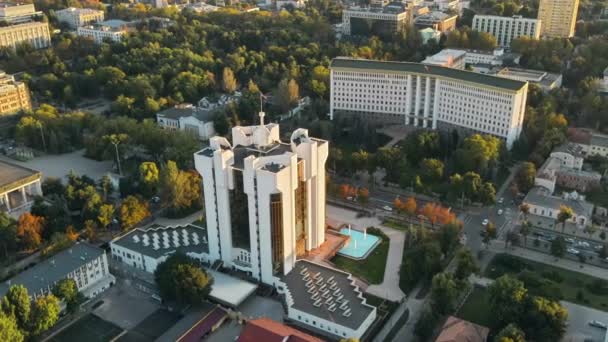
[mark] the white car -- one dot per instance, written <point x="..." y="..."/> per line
<point x="499" y="211"/>
<point x="573" y="251"/>
<point x="501" y="200"/>
<point x="387" y="208"/>
<point x="583" y="244"/>
<point x="485" y="222"/>
<point x="598" y="324"/>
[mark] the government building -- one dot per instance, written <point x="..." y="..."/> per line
<point x="428" y="96"/>
<point x="23" y="25"/>
<point x="77" y="17"/>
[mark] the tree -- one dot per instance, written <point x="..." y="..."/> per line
<point x="448" y="237"/>
<point x="29" y="231"/>
<point x="132" y="211"/>
<point x="45" y="313"/>
<point x="465" y="264"/>
<point x="148" y="177"/>
<point x="590" y="229"/>
<point x="180" y="279"/>
<point x="525" y="210"/>
<point x="228" y="81"/>
<point x="8" y="235"/>
<point x="363" y="195"/>
<point x="525" y="176"/>
<point x="525" y="230"/>
<point x="9" y="330"/>
<point x="489" y="234"/>
<point x="565" y="213"/>
<point x="106" y="214"/>
<point x="409" y="207"/>
<point x="16" y="303"/>
<point x="543" y="320"/>
<point x="431" y="170"/>
<point x="181" y="190"/>
<point x="106" y="186"/>
<point x="506" y="297"/>
<point x="288" y="93"/>
<point x="510" y="333"/>
<point x="558" y="247"/>
<point x="444" y="291"/>
<point x="67" y="291"/>
<point x="221" y="125"/>
<point x="426" y="324"/>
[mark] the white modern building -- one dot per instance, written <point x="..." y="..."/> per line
<point x="77" y="17"/>
<point x="428" y="34"/>
<point x="264" y="199"/>
<point x="113" y="30"/>
<point x="85" y="263"/>
<point x="495" y="57"/>
<point x="449" y="58"/>
<point x="428" y="96"/>
<point x="385" y="20"/>
<point x="505" y="29"/>
<point x="188" y="118"/>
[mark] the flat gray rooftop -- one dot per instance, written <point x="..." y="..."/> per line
<point x="53" y="269"/>
<point x="11" y="175"/>
<point x="242" y="152"/>
<point x="190" y="239"/>
<point x="303" y="301"/>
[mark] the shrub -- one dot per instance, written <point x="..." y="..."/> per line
<point x="553" y="275"/>
<point x="598" y="287"/>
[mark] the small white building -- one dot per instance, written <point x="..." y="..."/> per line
<point x="564" y="167"/>
<point x="76" y="17"/>
<point x="591" y="142"/>
<point x="428" y="34"/>
<point x="85" y="263"/>
<point x="113" y="30"/>
<point x="545" y="80"/>
<point x="449" y="58"/>
<point x="544" y="204"/>
<point x="189" y="118"/>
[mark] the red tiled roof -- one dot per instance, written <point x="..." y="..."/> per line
<point x="459" y="330"/>
<point x="203" y="326"/>
<point x="267" y="330"/>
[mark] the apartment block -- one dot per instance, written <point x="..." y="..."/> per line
<point x="14" y="95"/>
<point x="505" y="29"/>
<point x="558" y="17"/>
<point x="381" y="21"/>
<point x="428" y="96"/>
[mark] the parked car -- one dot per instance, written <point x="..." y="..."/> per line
<point x="501" y="200"/>
<point x="485" y="222"/>
<point x="569" y="240"/>
<point x="155" y="199"/>
<point x="598" y="324"/>
<point x="573" y="251"/>
<point x="387" y="208"/>
<point x="583" y="244"/>
<point x="499" y="211"/>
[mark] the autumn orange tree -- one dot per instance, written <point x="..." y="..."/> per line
<point x="398" y="204"/>
<point x="363" y="195"/>
<point x="29" y="231"/>
<point x="410" y="206"/>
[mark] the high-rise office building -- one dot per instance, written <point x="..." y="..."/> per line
<point x="14" y="95"/>
<point x="558" y="18"/>
<point x="264" y="199"/>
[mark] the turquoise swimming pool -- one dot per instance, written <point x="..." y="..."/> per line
<point x="360" y="244"/>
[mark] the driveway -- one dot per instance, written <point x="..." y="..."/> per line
<point x="389" y="288"/>
<point x="578" y="323"/>
<point x="59" y="165"/>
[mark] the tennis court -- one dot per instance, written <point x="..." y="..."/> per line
<point x="89" y="328"/>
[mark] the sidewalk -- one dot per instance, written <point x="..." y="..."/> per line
<point x="389" y="289"/>
<point x="574" y="266"/>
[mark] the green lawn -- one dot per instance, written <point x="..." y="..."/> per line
<point x="553" y="282"/>
<point x="476" y="309"/>
<point x="371" y="269"/>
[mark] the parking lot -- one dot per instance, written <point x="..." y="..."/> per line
<point x="578" y="323"/>
<point x="125" y="306"/>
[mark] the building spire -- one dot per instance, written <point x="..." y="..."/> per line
<point x="261" y="114"/>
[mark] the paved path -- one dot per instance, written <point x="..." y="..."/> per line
<point x="389" y="288"/>
<point x="591" y="270"/>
